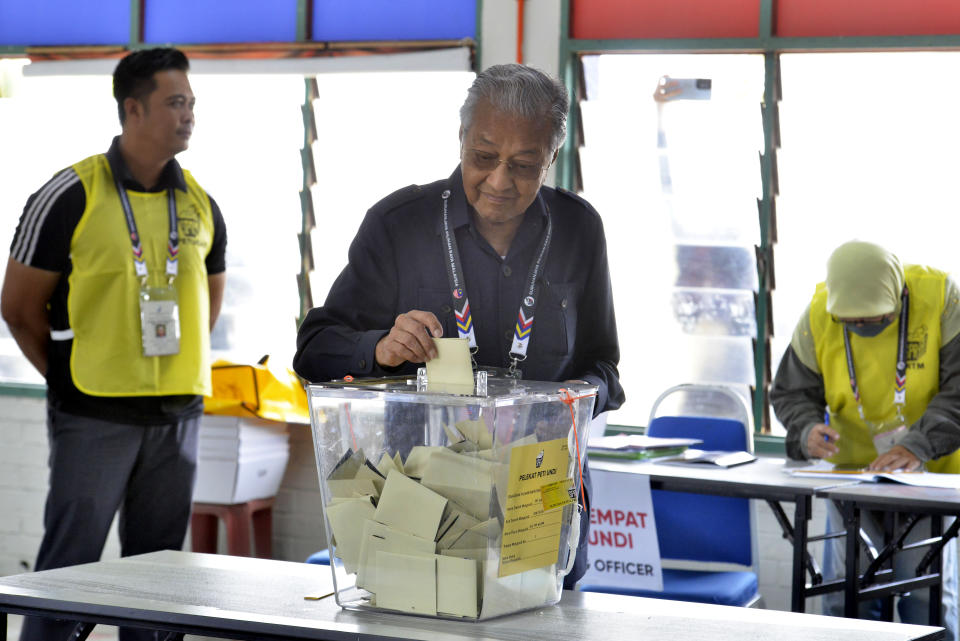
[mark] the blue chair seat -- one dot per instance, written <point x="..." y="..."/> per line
<point x="319" y="558"/>
<point x="717" y="588"/>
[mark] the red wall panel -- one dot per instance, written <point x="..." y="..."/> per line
<point x="609" y="19"/>
<point x="867" y="17"/>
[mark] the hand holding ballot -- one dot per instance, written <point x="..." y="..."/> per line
<point x="410" y="339"/>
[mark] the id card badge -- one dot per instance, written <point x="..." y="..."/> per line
<point x="159" y="321"/>
<point x="884" y="441"/>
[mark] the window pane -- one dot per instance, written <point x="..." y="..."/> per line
<point x="868" y="151"/>
<point x="244" y="152"/>
<point x="376" y="133"/>
<point x="676" y="183"/>
<point x="48" y="124"/>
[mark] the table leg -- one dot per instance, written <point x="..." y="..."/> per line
<point x="801" y="517"/>
<point x="82" y="631"/>
<point x="936" y="590"/>
<point x="3" y="625"/>
<point x="851" y="522"/>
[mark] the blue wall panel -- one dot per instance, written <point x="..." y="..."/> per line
<point x="394" y="19"/>
<point x="64" y="22"/>
<point x="213" y="21"/>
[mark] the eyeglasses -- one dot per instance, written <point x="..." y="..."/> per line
<point x="489" y="162"/>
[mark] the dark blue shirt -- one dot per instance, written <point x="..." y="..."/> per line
<point x="397" y="264"/>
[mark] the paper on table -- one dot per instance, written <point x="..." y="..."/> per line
<point x="825" y="469"/>
<point x="451" y="367"/>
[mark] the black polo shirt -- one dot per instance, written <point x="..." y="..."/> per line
<point x="396" y="264"/>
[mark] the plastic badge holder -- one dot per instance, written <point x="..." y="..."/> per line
<point x="458" y="504"/>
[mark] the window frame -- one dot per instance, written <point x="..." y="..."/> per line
<point x="771" y="46"/>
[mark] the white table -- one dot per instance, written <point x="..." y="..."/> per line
<point x="244" y="598"/>
<point x="764" y="479"/>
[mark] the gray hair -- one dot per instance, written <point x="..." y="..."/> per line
<point x="520" y="91"/>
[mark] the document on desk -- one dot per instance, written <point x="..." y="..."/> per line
<point x="715" y="458"/>
<point x="825" y="469"/>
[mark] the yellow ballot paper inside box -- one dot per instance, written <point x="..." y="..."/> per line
<point x="531" y="535"/>
<point x="450" y="372"/>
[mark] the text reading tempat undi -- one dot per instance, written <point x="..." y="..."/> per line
<point x="616" y="518"/>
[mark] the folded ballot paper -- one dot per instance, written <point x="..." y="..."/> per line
<point x="423" y="535"/>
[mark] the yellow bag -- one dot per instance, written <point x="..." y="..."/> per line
<point x="256" y="390"/>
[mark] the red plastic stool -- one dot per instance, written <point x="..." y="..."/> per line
<point x="238" y="520"/>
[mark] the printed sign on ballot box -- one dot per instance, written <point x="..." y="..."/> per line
<point x="623" y="535"/>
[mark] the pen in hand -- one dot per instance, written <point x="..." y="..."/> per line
<point x="821" y="442"/>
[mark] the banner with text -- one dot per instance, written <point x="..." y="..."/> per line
<point x="623" y="535"/>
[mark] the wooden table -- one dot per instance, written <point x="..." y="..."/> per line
<point x="245" y="598"/>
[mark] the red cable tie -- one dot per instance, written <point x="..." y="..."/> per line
<point x="568" y="400"/>
<point x="353" y="439"/>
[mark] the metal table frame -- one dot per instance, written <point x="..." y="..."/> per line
<point x="876" y="579"/>
<point x="764" y="479"/>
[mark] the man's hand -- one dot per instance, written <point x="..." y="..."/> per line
<point x="897" y="458"/>
<point x="410" y="339"/>
<point x="821" y="441"/>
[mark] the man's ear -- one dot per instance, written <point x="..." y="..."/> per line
<point x="556" y="152"/>
<point x="133" y="107"/>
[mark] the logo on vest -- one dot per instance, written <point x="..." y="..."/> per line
<point x="188" y="225"/>
<point x="916" y="347"/>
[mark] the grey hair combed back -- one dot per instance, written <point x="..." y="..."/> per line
<point x="520" y="91"/>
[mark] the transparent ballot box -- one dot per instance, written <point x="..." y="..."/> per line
<point x="460" y="504"/>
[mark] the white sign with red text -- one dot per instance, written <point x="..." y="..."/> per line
<point x="623" y="548"/>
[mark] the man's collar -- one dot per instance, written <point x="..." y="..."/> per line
<point x="171" y="176"/>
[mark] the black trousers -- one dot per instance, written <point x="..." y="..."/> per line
<point x="98" y="468"/>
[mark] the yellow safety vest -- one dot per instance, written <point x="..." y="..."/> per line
<point x="875" y="362"/>
<point x="103" y="302"/>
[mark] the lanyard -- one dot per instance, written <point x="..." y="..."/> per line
<point x="900" y="379"/>
<point x="461" y="305"/>
<point x="173" y="238"/>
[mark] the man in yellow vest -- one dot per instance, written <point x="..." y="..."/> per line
<point x="872" y="379"/>
<point x="114" y="282"/>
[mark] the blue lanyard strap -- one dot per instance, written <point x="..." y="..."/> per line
<point x="900" y="378"/>
<point x="173" y="238"/>
<point x="523" y="329"/>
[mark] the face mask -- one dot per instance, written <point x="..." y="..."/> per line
<point x="869" y="330"/>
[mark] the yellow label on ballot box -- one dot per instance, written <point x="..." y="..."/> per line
<point x="531" y="533"/>
<point x="557" y="494"/>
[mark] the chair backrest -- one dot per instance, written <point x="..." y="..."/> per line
<point x="695" y="527"/>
